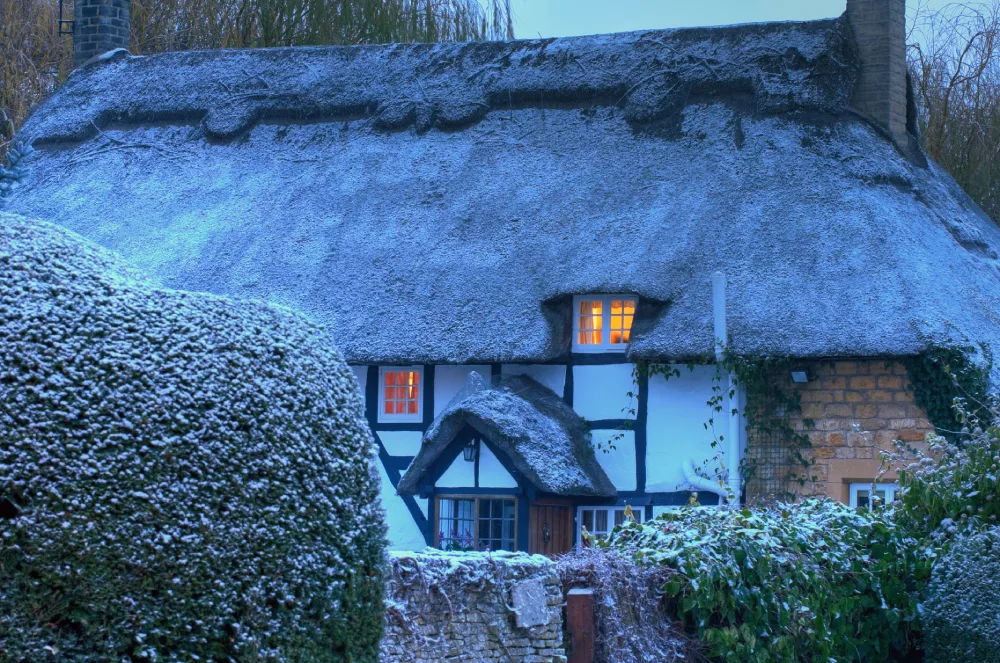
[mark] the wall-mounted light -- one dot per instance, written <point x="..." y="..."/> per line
<point x="469" y="452"/>
<point x="800" y="377"/>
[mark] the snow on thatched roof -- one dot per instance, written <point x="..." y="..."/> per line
<point x="545" y="440"/>
<point x="441" y="203"/>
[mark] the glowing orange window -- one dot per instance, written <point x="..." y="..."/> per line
<point x="401" y="393"/>
<point x="622" y="312"/>
<point x="590" y="322"/>
<point x="602" y="323"/>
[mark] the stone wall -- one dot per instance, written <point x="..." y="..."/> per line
<point x="473" y="607"/>
<point x="857" y="409"/>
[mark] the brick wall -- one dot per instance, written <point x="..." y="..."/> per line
<point x="858" y="408"/>
<point x="99" y="26"/>
<point x="473" y="608"/>
<point x="879" y="28"/>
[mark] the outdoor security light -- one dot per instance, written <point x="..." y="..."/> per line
<point x="800" y="377"/>
<point x="469" y="452"/>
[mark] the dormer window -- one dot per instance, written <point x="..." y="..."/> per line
<point x="602" y="323"/>
<point x="401" y="394"/>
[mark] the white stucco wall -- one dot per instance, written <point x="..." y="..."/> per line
<point x="449" y="380"/>
<point x="675" y="431"/>
<point x="548" y="375"/>
<point x="601" y="392"/>
<point x="403" y="531"/>
<point x="401" y="443"/>
<point x="492" y="474"/>
<point x="618" y="463"/>
<point x="460" y="474"/>
<point x="361" y="373"/>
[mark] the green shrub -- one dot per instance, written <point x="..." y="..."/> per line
<point x="811" y="581"/>
<point x="955" y="488"/>
<point x="961" y="615"/>
<point x="182" y="477"/>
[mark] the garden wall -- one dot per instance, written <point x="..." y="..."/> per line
<point x="473" y="607"/>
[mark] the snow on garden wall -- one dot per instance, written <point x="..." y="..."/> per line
<point x="181" y="475"/>
<point x="469" y="607"/>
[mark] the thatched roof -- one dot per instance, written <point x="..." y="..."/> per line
<point x="545" y="440"/>
<point x="440" y="203"/>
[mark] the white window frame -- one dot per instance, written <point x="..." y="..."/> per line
<point x="605" y="345"/>
<point x="638" y="512"/>
<point x="889" y="488"/>
<point x="421" y="395"/>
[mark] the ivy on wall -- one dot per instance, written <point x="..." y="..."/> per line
<point x="944" y="377"/>
<point x="768" y="412"/>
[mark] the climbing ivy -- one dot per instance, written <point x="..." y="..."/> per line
<point x="768" y="410"/>
<point x="944" y="377"/>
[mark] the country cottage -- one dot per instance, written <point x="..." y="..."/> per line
<point x="498" y="234"/>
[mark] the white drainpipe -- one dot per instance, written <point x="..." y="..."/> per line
<point x="721" y="340"/>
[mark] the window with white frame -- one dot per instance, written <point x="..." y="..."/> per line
<point x="600" y="520"/>
<point x="401" y="394"/>
<point x="861" y="493"/>
<point x="476" y="523"/>
<point x="602" y="323"/>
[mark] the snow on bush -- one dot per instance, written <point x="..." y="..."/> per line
<point x="182" y="477"/>
<point x="961" y="614"/>
<point x="810" y="581"/>
<point x="632" y="624"/>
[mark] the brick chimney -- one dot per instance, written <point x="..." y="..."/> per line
<point x="99" y="26"/>
<point x="880" y="32"/>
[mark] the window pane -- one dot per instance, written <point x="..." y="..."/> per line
<point x="414" y="378"/>
<point x="455" y="530"/>
<point x="411" y="407"/>
<point x="390" y="378"/>
<point x="400" y="405"/>
<point x="588" y="519"/>
<point x="616" y="337"/>
<point x="619" y="516"/>
<point x="616" y="307"/>
<point x="602" y="521"/>
<point x="388" y="407"/>
<point x="629" y="309"/>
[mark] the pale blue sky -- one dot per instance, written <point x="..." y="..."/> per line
<point x="560" y="18"/>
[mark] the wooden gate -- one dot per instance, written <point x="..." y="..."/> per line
<point x="550" y="527"/>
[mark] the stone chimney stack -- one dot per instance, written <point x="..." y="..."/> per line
<point x="880" y="32"/>
<point x="99" y="26"/>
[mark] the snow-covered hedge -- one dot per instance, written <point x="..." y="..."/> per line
<point x="182" y="477"/>
<point x="811" y="581"/>
<point x="961" y="615"/>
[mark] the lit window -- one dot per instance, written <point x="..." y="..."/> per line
<point x="476" y="523"/>
<point x="861" y="493"/>
<point x="600" y="520"/>
<point x="401" y="393"/>
<point x="602" y="323"/>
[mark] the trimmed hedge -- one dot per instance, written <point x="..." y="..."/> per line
<point x="182" y="477"/>
<point x="961" y="614"/>
<point x="812" y="581"/>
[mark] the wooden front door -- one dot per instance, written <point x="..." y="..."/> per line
<point x="550" y="527"/>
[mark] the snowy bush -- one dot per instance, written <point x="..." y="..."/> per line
<point x="957" y="486"/>
<point x="182" y="477"/>
<point x="633" y="625"/>
<point x="961" y="615"/>
<point x="811" y="581"/>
